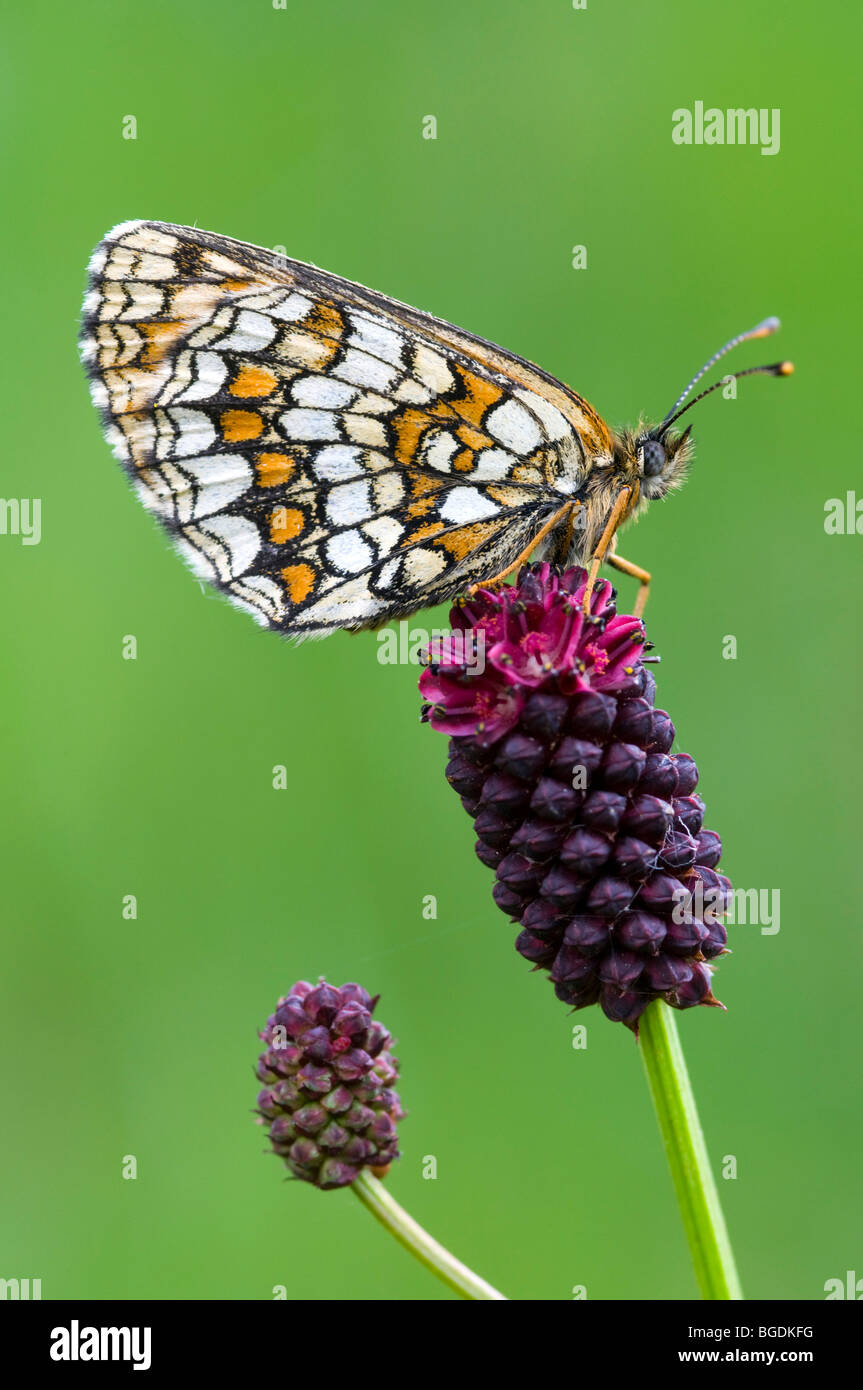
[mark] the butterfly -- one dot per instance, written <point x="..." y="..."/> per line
<point x="331" y="458"/>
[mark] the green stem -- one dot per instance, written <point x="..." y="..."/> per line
<point x="687" y="1154"/>
<point x="377" y="1199"/>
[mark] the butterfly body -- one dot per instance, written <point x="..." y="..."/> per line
<point x="331" y="458"/>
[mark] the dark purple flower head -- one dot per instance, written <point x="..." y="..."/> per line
<point x="328" y="1076"/>
<point x="588" y="820"/>
<point x="534" y="635"/>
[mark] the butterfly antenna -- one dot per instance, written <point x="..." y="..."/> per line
<point x="761" y="330"/>
<point x="773" y="369"/>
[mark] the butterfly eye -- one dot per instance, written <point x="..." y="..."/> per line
<point x="652" y="458"/>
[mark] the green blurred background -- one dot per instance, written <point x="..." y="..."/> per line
<point x="302" y="128"/>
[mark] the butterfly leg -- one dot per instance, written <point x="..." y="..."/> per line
<point x="553" y="521"/>
<point x="627" y="567"/>
<point x="620" y="504"/>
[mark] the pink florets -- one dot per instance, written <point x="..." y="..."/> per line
<point x="529" y="636"/>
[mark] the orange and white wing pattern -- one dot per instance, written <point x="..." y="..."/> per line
<point x="325" y="456"/>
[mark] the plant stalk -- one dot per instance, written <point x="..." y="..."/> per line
<point x="686" y="1150"/>
<point x="427" y="1250"/>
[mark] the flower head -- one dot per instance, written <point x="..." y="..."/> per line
<point x="530" y="636"/>
<point x="588" y="819"/>
<point x="328" y="1074"/>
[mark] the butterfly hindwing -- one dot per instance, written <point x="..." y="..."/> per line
<point x="325" y="456"/>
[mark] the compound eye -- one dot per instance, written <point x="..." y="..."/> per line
<point x="653" y="458"/>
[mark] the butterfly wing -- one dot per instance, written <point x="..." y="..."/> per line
<point x="324" y="455"/>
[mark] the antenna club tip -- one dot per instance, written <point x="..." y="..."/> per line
<point x="766" y="327"/>
<point x="786" y="368"/>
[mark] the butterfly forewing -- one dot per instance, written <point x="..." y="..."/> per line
<point x="325" y="456"/>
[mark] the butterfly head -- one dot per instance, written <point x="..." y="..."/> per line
<point x="651" y="461"/>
